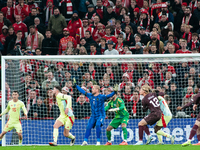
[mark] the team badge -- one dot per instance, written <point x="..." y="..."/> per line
<point x="97" y="99"/>
<point x="14" y="105"/>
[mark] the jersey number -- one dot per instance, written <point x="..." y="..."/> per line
<point x="155" y="102"/>
<point x="14" y="109"/>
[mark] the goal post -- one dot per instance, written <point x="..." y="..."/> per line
<point x="34" y="77"/>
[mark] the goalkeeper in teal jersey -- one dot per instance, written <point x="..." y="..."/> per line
<point x="121" y="118"/>
<point x="165" y="119"/>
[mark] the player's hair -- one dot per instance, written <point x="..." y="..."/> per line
<point x="15" y="91"/>
<point x="58" y="88"/>
<point x="146" y="88"/>
<point x="97" y="87"/>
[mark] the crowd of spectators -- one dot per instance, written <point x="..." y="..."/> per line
<point x="99" y="27"/>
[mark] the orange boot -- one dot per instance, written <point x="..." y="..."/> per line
<point x="108" y="143"/>
<point x="123" y="143"/>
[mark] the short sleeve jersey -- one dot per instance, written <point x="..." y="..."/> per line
<point x="151" y="102"/>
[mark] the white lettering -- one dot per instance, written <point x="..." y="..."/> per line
<point x="178" y="132"/>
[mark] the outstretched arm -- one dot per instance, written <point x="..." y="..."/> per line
<point x="107" y="107"/>
<point x="6" y="110"/>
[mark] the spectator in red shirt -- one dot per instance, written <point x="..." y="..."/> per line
<point x="183" y="46"/>
<point x="65" y="40"/>
<point x="22" y="9"/>
<point x="8" y="11"/>
<point x="98" y="32"/>
<point x="19" y="25"/>
<point x="108" y="35"/>
<point x="74" y="24"/>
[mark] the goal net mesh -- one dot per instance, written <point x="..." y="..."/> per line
<point x="34" y="78"/>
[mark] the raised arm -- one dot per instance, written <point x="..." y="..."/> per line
<point x="113" y="93"/>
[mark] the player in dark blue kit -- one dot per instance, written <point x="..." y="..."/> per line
<point x="97" y="108"/>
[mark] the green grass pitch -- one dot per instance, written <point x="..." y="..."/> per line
<point x="113" y="147"/>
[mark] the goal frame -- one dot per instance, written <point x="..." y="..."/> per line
<point x="77" y="57"/>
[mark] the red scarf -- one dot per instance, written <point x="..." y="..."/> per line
<point x="93" y="53"/>
<point x="148" y="23"/>
<point x="157" y="6"/>
<point x="68" y="6"/>
<point x="33" y="42"/>
<point x="117" y="32"/>
<point x="112" y="76"/>
<point x="105" y="3"/>
<point x="122" y="85"/>
<point x="183" y="21"/>
<point x="119" y="47"/>
<point x="189" y="38"/>
<point x="127" y="97"/>
<point x="160" y="15"/>
<point x="193" y="6"/>
<point x="189" y="95"/>
<point x="193" y="44"/>
<point x="128" y="38"/>
<point x="93" y="74"/>
<point x="134" y="108"/>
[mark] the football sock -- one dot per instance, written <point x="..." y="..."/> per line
<point x="87" y="133"/>
<point x="198" y="137"/>
<point x="55" y="134"/>
<point x="71" y="136"/>
<point x="140" y="133"/>
<point x="160" y="132"/>
<point x="124" y="133"/>
<point x="159" y="138"/>
<point x="108" y="133"/>
<point x="98" y="132"/>
<point x="193" y="131"/>
<point x="20" y="141"/>
<point x="146" y="130"/>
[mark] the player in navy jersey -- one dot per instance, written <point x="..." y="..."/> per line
<point x="196" y="128"/>
<point x="98" y="112"/>
<point x="151" y="102"/>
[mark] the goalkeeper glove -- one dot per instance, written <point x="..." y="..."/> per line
<point x="114" y="109"/>
<point x="116" y="87"/>
<point x="74" y="81"/>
